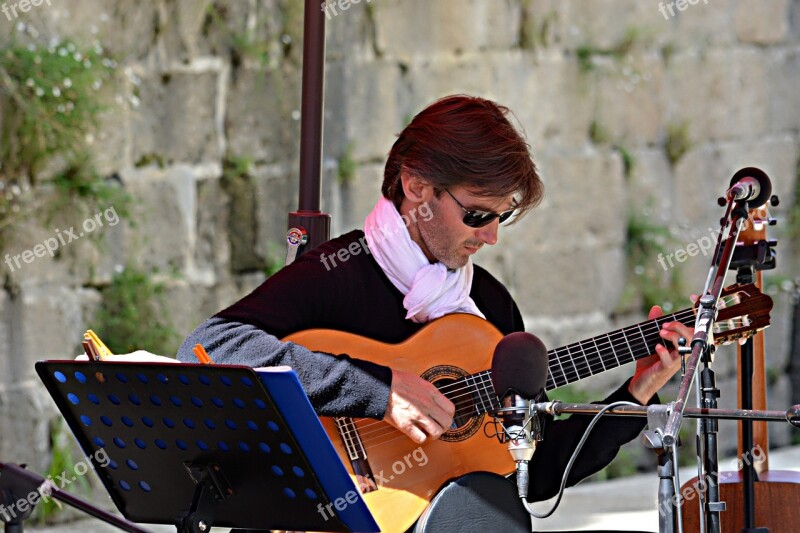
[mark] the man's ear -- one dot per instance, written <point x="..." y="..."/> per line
<point x="416" y="189"/>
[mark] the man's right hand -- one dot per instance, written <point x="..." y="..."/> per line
<point x="417" y="408"/>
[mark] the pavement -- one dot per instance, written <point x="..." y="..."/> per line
<point x="622" y="504"/>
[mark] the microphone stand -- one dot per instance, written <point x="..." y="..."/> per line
<point x="702" y="350"/>
<point x="658" y="416"/>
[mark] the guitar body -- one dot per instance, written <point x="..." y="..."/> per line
<point x="777" y="503"/>
<point x="466" y="343"/>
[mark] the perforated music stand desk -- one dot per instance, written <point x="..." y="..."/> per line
<point x="236" y="447"/>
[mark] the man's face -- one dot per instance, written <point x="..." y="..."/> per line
<point x="446" y="238"/>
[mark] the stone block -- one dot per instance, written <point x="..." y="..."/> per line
<point x="632" y="96"/>
<point x="770" y="26"/>
<point x="584" y="202"/>
<point x="783" y="72"/>
<point x="187" y="305"/>
<point x="275" y="187"/>
<point x="111" y="143"/>
<point x="720" y="94"/>
<point x="414" y="28"/>
<point x="351" y="33"/>
<point x="706" y="24"/>
<point x="140" y="23"/>
<point x="651" y="186"/>
<point x="163" y="198"/>
<point x="212" y="253"/>
<point x="46" y="322"/>
<point x="569" y="282"/>
<point x="186" y="19"/>
<point x="350" y="202"/>
<point x="704" y="174"/>
<point x="583" y="23"/>
<point x="177" y="117"/>
<point x="557" y="106"/>
<point x="551" y="100"/>
<point x="262" y="114"/>
<point x="6" y="347"/>
<point x="367" y="98"/>
<point x="26" y="415"/>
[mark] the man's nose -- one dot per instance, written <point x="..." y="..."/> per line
<point x="488" y="233"/>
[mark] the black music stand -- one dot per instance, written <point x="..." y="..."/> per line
<point x="201" y="445"/>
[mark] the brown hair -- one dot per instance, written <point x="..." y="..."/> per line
<point x="468" y="141"/>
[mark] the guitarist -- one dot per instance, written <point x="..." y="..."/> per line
<point x="454" y="174"/>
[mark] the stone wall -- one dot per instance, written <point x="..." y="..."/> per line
<point x="605" y="91"/>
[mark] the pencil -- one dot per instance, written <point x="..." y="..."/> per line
<point x="201" y="354"/>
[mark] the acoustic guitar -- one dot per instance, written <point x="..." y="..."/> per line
<point x="397" y="477"/>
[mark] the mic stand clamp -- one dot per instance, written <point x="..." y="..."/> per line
<point x="657" y="416"/>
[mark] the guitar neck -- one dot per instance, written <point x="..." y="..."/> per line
<point x="583" y="359"/>
<point x="586" y="358"/>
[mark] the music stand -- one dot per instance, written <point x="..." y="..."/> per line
<point x="201" y="445"/>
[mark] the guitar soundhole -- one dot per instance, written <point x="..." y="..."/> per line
<point x="449" y="379"/>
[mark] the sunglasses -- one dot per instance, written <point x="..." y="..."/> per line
<point x="478" y="219"/>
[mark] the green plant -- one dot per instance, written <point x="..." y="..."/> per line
<point x="62" y="462"/>
<point x="667" y="52"/>
<point x="656" y="285"/>
<point x="678" y="141"/>
<point x="598" y="133"/>
<point x="628" y="160"/>
<point x="793" y="217"/>
<point x="131" y="315"/>
<point x="346" y="170"/>
<point x="50" y="101"/>
<point x="82" y="190"/>
<point x="585" y="54"/>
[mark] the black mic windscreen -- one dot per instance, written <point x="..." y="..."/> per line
<point x="519" y="364"/>
<point x="765" y="185"/>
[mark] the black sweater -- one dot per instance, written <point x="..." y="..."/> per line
<point x="355" y="296"/>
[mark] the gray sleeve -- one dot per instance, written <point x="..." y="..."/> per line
<point x="337" y="385"/>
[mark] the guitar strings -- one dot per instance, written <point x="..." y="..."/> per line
<point x="364" y="433"/>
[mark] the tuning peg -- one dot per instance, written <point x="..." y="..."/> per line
<point x="721" y="201"/>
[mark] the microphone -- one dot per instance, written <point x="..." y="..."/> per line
<point x="519" y="374"/>
<point x="751" y="185"/>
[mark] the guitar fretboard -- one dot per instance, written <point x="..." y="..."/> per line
<point x="586" y="358"/>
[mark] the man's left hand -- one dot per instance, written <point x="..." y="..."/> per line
<point x="653" y="371"/>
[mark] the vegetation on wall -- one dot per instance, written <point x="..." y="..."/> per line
<point x="346" y="169"/>
<point x="677" y="142"/>
<point x="132" y="315"/>
<point x="50" y="101"/>
<point x="586" y="53"/>
<point x="62" y="462"/>
<point x="650" y="277"/>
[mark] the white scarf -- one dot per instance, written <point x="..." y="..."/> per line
<point x="431" y="290"/>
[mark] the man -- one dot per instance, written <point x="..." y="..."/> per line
<point x="461" y="162"/>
